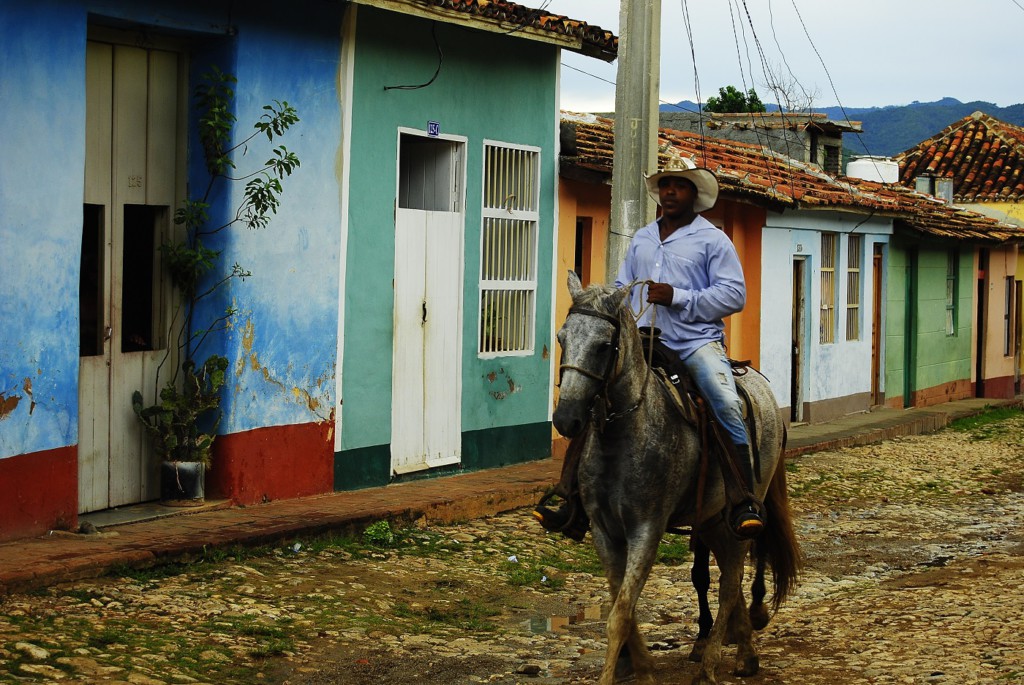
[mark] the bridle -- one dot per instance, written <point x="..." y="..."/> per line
<point x="601" y="411"/>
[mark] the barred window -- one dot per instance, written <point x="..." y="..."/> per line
<point x="508" y="254"/>
<point x="855" y="250"/>
<point x="827" y="323"/>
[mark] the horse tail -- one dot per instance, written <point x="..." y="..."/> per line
<point x="778" y="543"/>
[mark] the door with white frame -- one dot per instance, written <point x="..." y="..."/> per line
<point x="426" y="405"/>
<point x="133" y="169"/>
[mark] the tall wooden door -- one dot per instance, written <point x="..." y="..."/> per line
<point x="876" y="326"/>
<point x="132" y="166"/>
<point x="798" y="352"/>
<point x="427" y="356"/>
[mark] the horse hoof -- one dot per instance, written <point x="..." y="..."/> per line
<point x="748" y="667"/>
<point x="697" y="653"/>
<point x="759" y="617"/>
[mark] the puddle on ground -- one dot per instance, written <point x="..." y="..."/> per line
<point x="558" y="624"/>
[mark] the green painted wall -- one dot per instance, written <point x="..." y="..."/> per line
<point x="895" y="318"/>
<point x="484" y="449"/>
<point x="490" y="86"/>
<point x="937" y="358"/>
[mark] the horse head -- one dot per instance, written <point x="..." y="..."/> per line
<point x="590" y="339"/>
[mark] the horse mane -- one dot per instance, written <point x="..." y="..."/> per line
<point x="607" y="299"/>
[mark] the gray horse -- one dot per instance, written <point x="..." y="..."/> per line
<point x="639" y="474"/>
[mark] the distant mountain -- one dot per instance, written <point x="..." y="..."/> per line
<point x="892" y="129"/>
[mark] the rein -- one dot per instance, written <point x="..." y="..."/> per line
<point x="612" y="372"/>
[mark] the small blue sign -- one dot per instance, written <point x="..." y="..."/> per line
<point x="433" y="128"/>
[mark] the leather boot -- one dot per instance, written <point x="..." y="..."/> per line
<point x="569" y="518"/>
<point x="746" y="517"/>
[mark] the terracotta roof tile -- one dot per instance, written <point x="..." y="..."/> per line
<point x="596" y="41"/>
<point x="757" y="174"/>
<point x="983" y="156"/>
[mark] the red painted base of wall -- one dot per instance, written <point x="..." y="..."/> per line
<point x="273" y="463"/>
<point x="946" y="392"/>
<point x="1001" y="388"/>
<point x="38" y="492"/>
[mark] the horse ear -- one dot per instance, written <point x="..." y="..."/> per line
<point x="575" y="287"/>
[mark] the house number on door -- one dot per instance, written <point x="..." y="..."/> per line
<point x="135" y="181"/>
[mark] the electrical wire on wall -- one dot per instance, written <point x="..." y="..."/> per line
<point x="609" y="82"/>
<point x="440" y="61"/>
<point x="530" y="18"/>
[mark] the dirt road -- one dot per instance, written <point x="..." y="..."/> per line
<point x="914" y="574"/>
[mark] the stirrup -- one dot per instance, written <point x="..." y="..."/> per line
<point x="565" y="520"/>
<point x="746" y="521"/>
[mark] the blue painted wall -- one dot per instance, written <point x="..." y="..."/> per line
<point x="42" y="67"/>
<point x="494" y="87"/>
<point x="283" y="341"/>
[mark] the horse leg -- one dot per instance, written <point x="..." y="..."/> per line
<point x="730" y="555"/>
<point x="741" y="634"/>
<point x="700" y="576"/>
<point x="758" y="611"/>
<point x="627" y="571"/>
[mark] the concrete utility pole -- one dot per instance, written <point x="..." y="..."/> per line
<point x="636" y="124"/>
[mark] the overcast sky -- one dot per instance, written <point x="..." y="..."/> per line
<point x="877" y="52"/>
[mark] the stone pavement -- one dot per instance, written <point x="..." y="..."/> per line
<point x="61" y="556"/>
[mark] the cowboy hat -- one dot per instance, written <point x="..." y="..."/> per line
<point x="681" y="167"/>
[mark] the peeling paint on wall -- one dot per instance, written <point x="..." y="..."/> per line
<point x="501" y="394"/>
<point x="27" y="386"/>
<point x="302" y="396"/>
<point x="8" y="404"/>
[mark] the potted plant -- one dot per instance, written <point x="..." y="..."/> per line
<point x="182" y="425"/>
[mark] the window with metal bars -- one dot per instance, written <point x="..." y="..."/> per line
<point x="855" y="248"/>
<point x="508" y="249"/>
<point x="952" y="267"/>
<point x="827" y="323"/>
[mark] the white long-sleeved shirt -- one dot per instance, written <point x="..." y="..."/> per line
<point x="700" y="263"/>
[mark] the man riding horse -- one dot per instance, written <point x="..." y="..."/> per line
<point x="694" y="275"/>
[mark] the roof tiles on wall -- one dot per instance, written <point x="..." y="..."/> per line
<point x="983" y="155"/>
<point x="756" y="174"/>
<point x="600" y="42"/>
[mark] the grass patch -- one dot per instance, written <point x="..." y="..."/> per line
<point x="988" y="425"/>
<point x="674" y="550"/>
<point x="521" y="574"/>
<point x="810" y="485"/>
<point x="272" y="648"/>
<point x="105" y="637"/>
<point x="204" y="562"/>
<point x="83" y="596"/>
<point x="465" y="614"/>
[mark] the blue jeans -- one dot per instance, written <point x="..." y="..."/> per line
<point x="709" y="367"/>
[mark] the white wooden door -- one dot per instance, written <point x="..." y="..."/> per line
<point x="426" y="387"/>
<point x="132" y="169"/>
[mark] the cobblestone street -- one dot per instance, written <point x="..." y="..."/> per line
<point x="914" y="574"/>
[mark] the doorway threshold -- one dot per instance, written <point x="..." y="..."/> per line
<point x="145" y="511"/>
